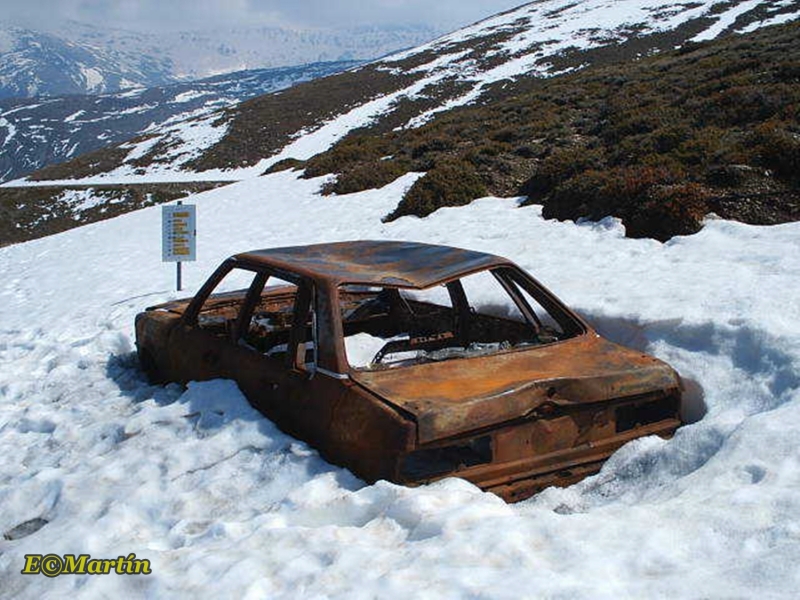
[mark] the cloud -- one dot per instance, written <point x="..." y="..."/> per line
<point x="174" y="15"/>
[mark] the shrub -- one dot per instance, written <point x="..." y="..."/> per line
<point x="352" y="150"/>
<point x="367" y="176"/>
<point x="448" y="184"/>
<point x="596" y="194"/>
<point x="669" y="210"/>
<point x="778" y="149"/>
<point x="284" y="165"/>
<point x="562" y="164"/>
<point x="432" y="145"/>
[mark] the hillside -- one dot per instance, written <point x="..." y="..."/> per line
<point x="35" y="63"/>
<point x="476" y="64"/>
<point x="660" y="142"/>
<point x="587" y="109"/>
<point x="38" y="132"/>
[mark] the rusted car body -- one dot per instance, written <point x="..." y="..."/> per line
<point x="514" y="394"/>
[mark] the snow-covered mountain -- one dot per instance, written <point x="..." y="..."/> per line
<point x="406" y="90"/>
<point x="38" y="132"/>
<point x="82" y="59"/>
<point x="196" y="54"/>
<point x="34" y="63"/>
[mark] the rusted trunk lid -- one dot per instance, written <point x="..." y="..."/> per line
<point x="460" y="395"/>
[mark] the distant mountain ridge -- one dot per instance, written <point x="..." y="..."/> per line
<point x="44" y="131"/>
<point x="40" y="64"/>
<point x="83" y="59"/>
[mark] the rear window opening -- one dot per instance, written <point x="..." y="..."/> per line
<point x="480" y="314"/>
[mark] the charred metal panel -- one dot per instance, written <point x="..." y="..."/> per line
<point x="461" y="395"/>
<point x="390" y="263"/>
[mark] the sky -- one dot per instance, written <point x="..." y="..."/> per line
<point x="172" y="15"/>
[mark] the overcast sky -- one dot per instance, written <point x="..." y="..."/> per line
<point x="170" y="15"/>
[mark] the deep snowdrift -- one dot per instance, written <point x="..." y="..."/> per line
<point x="223" y="503"/>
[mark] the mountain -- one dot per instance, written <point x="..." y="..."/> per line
<point x="34" y="63"/>
<point x="82" y="59"/>
<point x="198" y="54"/>
<point x="39" y="132"/>
<point x="655" y="112"/>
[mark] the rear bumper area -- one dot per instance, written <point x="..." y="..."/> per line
<point x="521" y="479"/>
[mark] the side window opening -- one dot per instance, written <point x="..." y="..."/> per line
<point x="283" y="325"/>
<point x="263" y="313"/>
<point x="220" y="312"/>
<point x="483" y="313"/>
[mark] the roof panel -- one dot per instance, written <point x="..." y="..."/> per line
<point x="376" y="262"/>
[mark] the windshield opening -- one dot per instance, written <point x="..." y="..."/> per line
<point x="480" y="314"/>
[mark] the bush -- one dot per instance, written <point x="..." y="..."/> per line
<point x="350" y="151"/>
<point x="284" y="165"/>
<point x="778" y="149"/>
<point x="596" y="194"/>
<point x="561" y="165"/>
<point x="367" y="176"/>
<point x="432" y="145"/>
<point x="449" y="184"/>
<point x="670" y="210"/>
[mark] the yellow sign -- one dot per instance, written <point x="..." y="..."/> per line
<point x="178" y="233"/>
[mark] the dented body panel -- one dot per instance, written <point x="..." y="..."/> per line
<point x="546" y="405"/>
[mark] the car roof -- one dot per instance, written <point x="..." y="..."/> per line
<point x="407" y="264"/>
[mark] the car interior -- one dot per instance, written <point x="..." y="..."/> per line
<point x="389" y="326"/>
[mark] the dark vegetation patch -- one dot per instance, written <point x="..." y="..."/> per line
<point x="86" y="165"/>
<point x="285" y="165"/>
<point x="659" y="142"/>
<point x="32" y="212"/>
<point x="446" y="184"/>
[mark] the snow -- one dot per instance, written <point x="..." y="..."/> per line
<point x="95" y="81"/>
<point x="189" y="95"/>
<point x="726" y="20"/>
<point x="361" y="348"/>
<point x="776" y="20"/>
<point x="11" y="130"/>
<point x="224" y="504"/>
<point x="74" y="116"/>
<point x="310" y="143"/>
<point x="80" y="200"/>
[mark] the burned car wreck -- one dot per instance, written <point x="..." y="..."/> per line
<point x="412" y="362"/>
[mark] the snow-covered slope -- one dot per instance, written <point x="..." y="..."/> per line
<point x="83" y="59"/>
<point x="37" y="132"/>
<point x="225" y="505"/>
<point x="539" y="39"/>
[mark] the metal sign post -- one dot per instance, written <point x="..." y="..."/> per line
<point x="178" y="236"/>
